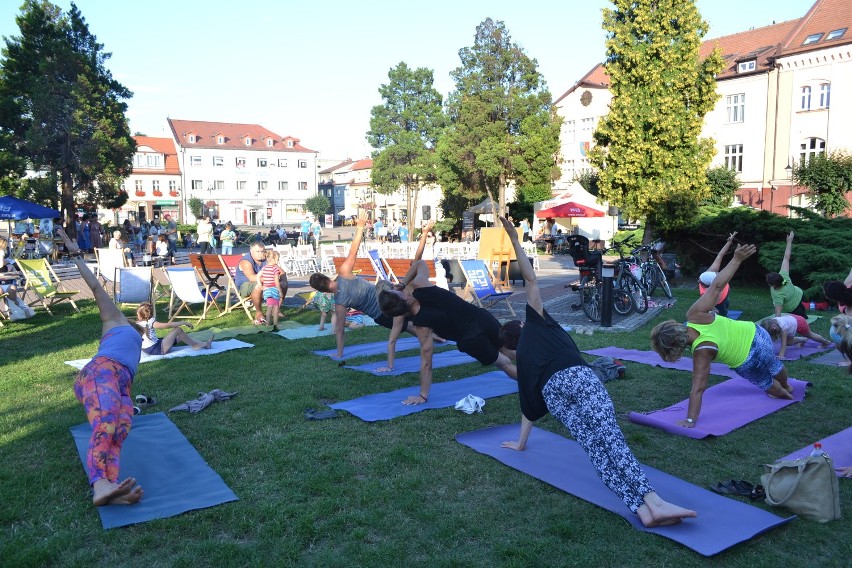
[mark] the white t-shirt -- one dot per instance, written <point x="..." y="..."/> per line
<point x="150" y="337"/>
<point x="788" y="324"/>
<point x="162" y="248"/>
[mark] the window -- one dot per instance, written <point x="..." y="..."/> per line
<point x="220" y="139"/>
<point x="289" y="143"/>
<point x="569" y="127"/>
<point x="736" y="107"/>
<point x="155" y="185"/>
<point x="138" y="185"/>
<point x="241" y="184"/>
<point x="734" y="157"/>
<point x="241" y="162"/>
<point x="172" y="187"/>
<point x="192" y="138"/>
<point x="270" y="142"/>
<point x="587" y="126"/>
<point x="835" y="34"/>
<point x="303" y="186"/>
<point x="745" y="66"/>
<point x="303" y="163"/>
<point x="261" y="186"/>
<point x="824" y="95"/>
<point x="282" y="162"/>
<point x="806" y="98"/>
<point x="262" y="162"/>
<point x="811" y="39"/>
<point x="283" y="185"/>
<point x="219" y="184"/>
<point x="197" y="185"/>
<point x="248" y="140"/>
<point x="195" y="160"/>
<point x="218" y="161"/>
<point x="810" y="148"/>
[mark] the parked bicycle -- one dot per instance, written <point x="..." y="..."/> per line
<point x="652" y="268"/>
<point x="590" y="264"/>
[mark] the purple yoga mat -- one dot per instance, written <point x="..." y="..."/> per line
<point x="412" y="364"/>
<point x="724" y="408"/>
<point x="722" y="522"/>
<point x="810" y="347"/>
<point x="838" y="446"/>
<point x="833" y="358"/>
<point x="651" y="358"/>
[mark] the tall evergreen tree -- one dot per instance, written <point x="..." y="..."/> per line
<point x="652" y="162"/>
<point x="405" y="131"/>
<point x="502" y="125"/>
<point x="61" y="108"/>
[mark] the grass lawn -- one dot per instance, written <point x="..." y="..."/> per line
<point x="346" y="493"/>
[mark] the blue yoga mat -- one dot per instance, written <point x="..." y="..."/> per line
<point x="734" y="314"/>
<point x="387" y="405"/>
<point x="173" y="475"/>
<point x="412" y="364"/>
<point x="375" y="348"/>
<point x="562" y="463"/>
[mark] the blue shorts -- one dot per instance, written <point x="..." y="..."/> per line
<point x="156" y="349"/>
<point x="761" y="366"/>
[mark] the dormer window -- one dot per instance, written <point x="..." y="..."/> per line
<point x="192" y="139"/>
<point x="290" y="143"/>
<point x="746" y="66"/>
<point x="812" y="39"/>
<point x="835" y="34"/>
<point x="248" y="140"/>
<point x="220" y="139"/>
<point x="270" y="142"/>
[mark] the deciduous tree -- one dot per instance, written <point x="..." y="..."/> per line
<point x="829" y="179"/>
<point x="405" y="130"/>
<point x="648" y="150"/>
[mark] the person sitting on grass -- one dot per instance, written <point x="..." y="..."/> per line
<point x="706" y="278"/>
<point x="432" y="309"/>
<point x="153" y="345"/>
<point x="103" y="388"/>
<point x="553" y="377"/>
<point x="785" y="327"/>
<point x="742" y="345"/>
<point x="785" y="296"/>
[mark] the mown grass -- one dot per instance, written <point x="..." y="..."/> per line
<point x="346" y="493"/>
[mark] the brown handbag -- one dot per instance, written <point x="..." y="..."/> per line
<point x="807" y="486"/>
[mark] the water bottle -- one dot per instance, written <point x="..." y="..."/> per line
<point x="813" y="306"/>
<point x="817" y="451"/>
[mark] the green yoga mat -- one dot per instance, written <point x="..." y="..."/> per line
<point x="228" y="332"/>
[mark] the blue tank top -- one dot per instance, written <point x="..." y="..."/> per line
<point x="122" y="344"/>
<point x="239" y="277"/>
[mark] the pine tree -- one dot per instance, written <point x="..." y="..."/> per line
<point x="651" y="158"/>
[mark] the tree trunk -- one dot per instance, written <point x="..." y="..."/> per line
<point x="69" y="210"/>
<point x="648" y="233"/>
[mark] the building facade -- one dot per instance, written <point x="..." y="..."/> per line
<point x="783" y="97"/>
<point x="154" y="186"/>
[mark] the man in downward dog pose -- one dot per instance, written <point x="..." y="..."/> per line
<point x="433" y="309"/>
<point x="103" y="388"/>
<point x="553" y="377"/>
<point x="350" y="291"/>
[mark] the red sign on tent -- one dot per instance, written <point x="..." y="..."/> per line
<point x="569" y="209"/>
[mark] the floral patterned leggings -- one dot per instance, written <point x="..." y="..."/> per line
<point x="103" y="388"/>
<point x="578" y="399"/>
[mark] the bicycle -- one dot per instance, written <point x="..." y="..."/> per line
<point x="591" y="286"/>
<point x="652" y="269"/>
<point x="627" y="280"/>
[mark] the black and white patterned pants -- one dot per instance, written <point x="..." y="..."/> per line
<point x="578" y="399"/>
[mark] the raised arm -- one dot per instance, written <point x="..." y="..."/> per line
<point x="717" y="263"/>
<point x="699" y="311"/>
<point x="421" y="246"/>
<point x="533" y="294"/>
<point x="348" y="264"/>
<point x="848" y="281"/>
<point x="417" y="275"/>
<point x="785" y="263"/>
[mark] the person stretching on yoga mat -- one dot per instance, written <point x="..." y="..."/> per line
<point x="553" y="377"/>
<point x="103" y="388"/>
<point x="350" y="291"/>
<point x="786" y="327"/>
<point x="742" y="345"/>
<point x="153" y="345"/>
<point x="433" y="309"/>
<point x="785" y="296"/>
<point x="706" y="278"/>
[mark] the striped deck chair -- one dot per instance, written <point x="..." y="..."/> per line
<point x="133" y="285"/>
<point x="187" y="290"/>
<point x="45" y="285"/>
<point x="481" y="287"/>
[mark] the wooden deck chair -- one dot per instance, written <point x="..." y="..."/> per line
<point x="187" y="290"/>
<point x="382" y="269"/>
<point x="133" y="285"/>
<point x="209" y="269"/>
<point x="45" y="285"/>
<point x="481" y="287"/>
<point x="231" y="262"/>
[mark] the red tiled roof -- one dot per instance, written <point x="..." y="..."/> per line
<point x="823" y="17"/>
<point x="596" y="79"/>
<point x="365" y="164"/>
<point x="165" y="146"/>
<point x="760" y="44"/>
<point x="234" y="133"/>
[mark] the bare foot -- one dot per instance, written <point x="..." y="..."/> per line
<point x="208" y="343"/>
<point x="657" y="513"/>
<point x="108" y="493"/>
<point x="415" y="400"/>
<point x="321" y="328"/>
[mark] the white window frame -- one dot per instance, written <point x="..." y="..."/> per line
<point x="240" y="162"/>
<point x="192" y="138"/>
<point x="241" y="185"/>
<point x="138" y="185"/>
<point x="261" y="185"/>
<point x="746" y="66"/>
<point x="218" y="161"/>
<point x="736" y="107"/>
<point x="155" y="185"/>
<point x="806" y="98"/>
<point x="220" y="139"/>
<point x="172" y="186"/>
<point x="248" y="140"/>
<point x="197" y="185"/>
<point x="282" y="162"/>
<point x="195" y="161"/>
<point x="284" y="186"/>
<point x="570" y="130"/>
<point x="219" y="185"/>
<point x="270" y="142"/>
<point x="290" y="144"/>
<point x="809" y="148"/>
<point x="303" y="163"/>
<point x="734" y="157"/>
<point x="262" y="163"/>
<point x="824" y="95"/>
<point x="303" y="186"/>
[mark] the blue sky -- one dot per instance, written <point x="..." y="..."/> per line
<point x="313" y="69"/>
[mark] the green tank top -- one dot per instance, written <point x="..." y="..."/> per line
<point x="732" y="337"/>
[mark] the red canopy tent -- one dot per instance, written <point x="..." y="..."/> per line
<point x="569" y="209"/>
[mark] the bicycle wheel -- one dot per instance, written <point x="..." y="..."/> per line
<point x="650" y="277"/>
<point x="622" y="302"/>
<point x="638" y="295"/>
<point x="664" y="282"/>
<point x="590" y="298"/>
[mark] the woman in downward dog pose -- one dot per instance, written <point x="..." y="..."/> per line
<point x="103" y="388"/>
<point x="553" y="377"/>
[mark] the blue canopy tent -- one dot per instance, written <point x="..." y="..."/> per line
<point x="14" y="209"/>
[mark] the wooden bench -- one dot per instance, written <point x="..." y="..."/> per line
<point x="364" y="266"/>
